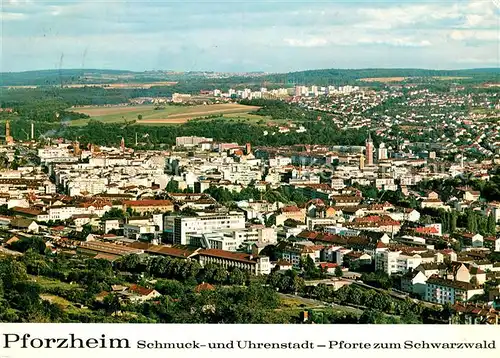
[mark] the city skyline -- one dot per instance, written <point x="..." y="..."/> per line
<point x="228" y="36"/>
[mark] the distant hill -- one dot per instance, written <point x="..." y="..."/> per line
<point x="55" y="77"/>
<point x="309" y="77"/>
<point x="353" y="76"/>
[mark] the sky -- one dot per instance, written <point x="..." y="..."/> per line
<point x="248" y="35"/>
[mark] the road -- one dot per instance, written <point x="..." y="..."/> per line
<point x="395" y="294"/>
<point x="401" y="296"/>
<point x="311" y="303"/>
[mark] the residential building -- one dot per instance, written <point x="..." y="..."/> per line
<point x="414" y="281"/>
<point x="183" y="226"/>
<point x="444" y="291"/>
<point x="256" y="265"/>
<point x="149" y="206"/>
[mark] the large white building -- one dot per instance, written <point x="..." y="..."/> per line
<point x="56" y="154"/>
<point x="392" y="262"/>
<point x="443" y="291"/>
<point x="256" y="265"/>
<point x="233" y="239"/>
<point x="191" y="141"/>
<point x="382" y="152"/>
<point x="185" y="226"/>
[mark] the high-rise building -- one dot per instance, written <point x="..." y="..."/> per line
<point x="369" y="150"/>
<point x="382" y="152"/>
<point x="183" y="226"/>
<point x="76" y="149"/>
<point x="8" y="138"/>
<point x="361" y="162"/>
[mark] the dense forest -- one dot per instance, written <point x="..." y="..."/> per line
<point x="39" y="287"/>
<point x="223" y="130"/>
<point x="186" y="82"/>
<point x="194" y="79"/>
<point x="52" y="118"/>
<point x="337" y="77"/>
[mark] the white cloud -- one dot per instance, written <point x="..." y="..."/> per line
<point x="482" y="61"/>
<point x="475" y="35"/>
<point x="19" y="2"/>
<point x="356" y="38"/>
<point x="404" y="16"/>
<point x="11" y="16"/>
<point x="481" y="14"/>
<point x="310" y="42"/>
<point x="56" y="10"/>
<point x="164" y="33"/>
<point x="401" y="42"/>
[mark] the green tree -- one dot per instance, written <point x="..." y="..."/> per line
<point x="35" y="243"/>
<point x="453" y="222"/>
<point x="471" y="221"/>
<point x="130" y="262"/>
<point x="214" y="274"/>
<point x="338" y="271"/>
<point x="111" y="303"/>
<point x="236" y="277"/>
<point x="114" y="213"/>
<point x="172" y="187"/>
<point x="492" y="225"/>
<point x="371" y="316"/>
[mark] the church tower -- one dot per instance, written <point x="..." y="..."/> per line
<point x="369" y="150"/>
<point x="8" y="137"/>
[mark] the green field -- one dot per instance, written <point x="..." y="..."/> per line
<point x="487" y="111"/>
<point x="49" y="283"/>
<point x="168" y="114"/>
<point x="64" y="303"/>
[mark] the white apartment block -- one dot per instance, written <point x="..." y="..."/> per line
<point x="444" y="291"/>
<point x="54" y="154"/>
<point x="191" y="141"/>
<point x="183" y="226"/>
<point x="136" y="231"/>
<point x="392" y="262"/>
<point x="241" y="174"/>
<point x="63" y="212"/>
<point x="256" y="265"/>
<point x="86" y="185"/>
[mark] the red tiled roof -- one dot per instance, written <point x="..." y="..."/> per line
<point x="427" y="230"/>
<point x="143" y="291"/>
<point x="235" y="256"/>
<point x="204" y="287"/>
<point x="324" y="265"/>
<point x="28" y="211"/>
<point x="283" y="263"/>
<point x="290" y="209"/>
<point x="171" y="251"/>
<point x="147" y="202"/>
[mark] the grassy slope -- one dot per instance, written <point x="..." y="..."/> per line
<point x="176" y="113"/>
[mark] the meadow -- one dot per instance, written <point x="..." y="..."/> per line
<point x="165" y="114"/>
<point x="383" y="79"/>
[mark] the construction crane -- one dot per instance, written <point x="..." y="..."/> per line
<point x="27" y="134"/>
<point x="381" y="196"/>
<point x="126" y="123"/>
